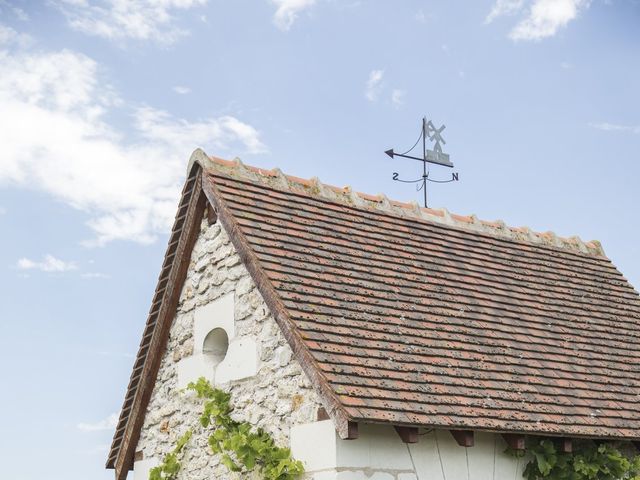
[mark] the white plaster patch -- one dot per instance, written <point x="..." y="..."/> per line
<point x="216" y="314"/>
<point x="314" y="444"/>
<point x="482" y="455"/>
<point x="241" y="361"/>
<point x="141" y="468"/>
<point x="192" y="368"/>
<point x="426" y="457"/>
<point x="506" y="466"/>
<point x="452" y="455"/>
<point x="377" y="447"/>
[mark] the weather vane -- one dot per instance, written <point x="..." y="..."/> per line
<point x="435" y="156"/>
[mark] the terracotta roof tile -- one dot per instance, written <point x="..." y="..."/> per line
<point x="419" y="316"/>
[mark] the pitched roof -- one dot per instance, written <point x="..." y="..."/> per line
<point x="413" y="316"/>
<point x="413" y="321"/>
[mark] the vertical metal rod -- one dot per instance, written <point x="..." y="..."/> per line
<point x="424" y="156"/>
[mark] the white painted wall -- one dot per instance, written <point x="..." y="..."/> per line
<point x="379" y="454"/>
<point x="141" y="468"/>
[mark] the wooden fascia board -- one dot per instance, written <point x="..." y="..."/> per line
<point x="328" y="397"/>
<point x="157" y="345"/>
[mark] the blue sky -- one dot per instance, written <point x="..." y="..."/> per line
<point x="102" y="102"/>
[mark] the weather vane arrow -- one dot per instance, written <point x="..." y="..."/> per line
<point x="435" y="156"/>
<point x="443" y="162"/>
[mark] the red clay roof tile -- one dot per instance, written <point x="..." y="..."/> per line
<point x="443" y="320"/>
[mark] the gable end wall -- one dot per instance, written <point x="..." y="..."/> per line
<point x="276" y="398"/>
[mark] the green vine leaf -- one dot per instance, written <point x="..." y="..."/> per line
<point x="170" y="466"/>
<point x="590" y="462"/>
<point x="242" y="448"/>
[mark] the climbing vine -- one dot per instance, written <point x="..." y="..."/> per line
<point x="170" y="466"/>
<point x="242" y="448"/>
<point x="589" y="462"/>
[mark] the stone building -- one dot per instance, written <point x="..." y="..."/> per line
<point x="377" y="339"/>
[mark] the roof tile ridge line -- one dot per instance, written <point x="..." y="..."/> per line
<point x="385" y="203"/>
<point x="350" y="197"/>
<point x="357" y="199"/>
<point x="579" y="243"/>
<point x="329" y="192"/>
<point x="330" y="400"/>
<point x="319" y="187"/>
<point x="412" y="210"/>
<point x="244" y="171"/>
<point x="281" y="179"/>
<point x="594" y="246"/>
<point x="518" y="234"/>
<point x="325" y="192"/>
<point x="200" y="157"/>
<point x="502" y="227"/>
<point x="525" y="234"/>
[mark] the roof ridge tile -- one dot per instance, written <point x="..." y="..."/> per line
<point x="346" y="195"/>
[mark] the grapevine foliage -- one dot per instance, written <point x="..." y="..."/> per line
<point x="241" y="447"/>
<point x="589" y="462"/>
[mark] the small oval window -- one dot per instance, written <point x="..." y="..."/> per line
<point x="216" y="344"/>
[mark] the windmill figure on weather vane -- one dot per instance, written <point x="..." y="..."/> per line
<point x="435" y="156"/>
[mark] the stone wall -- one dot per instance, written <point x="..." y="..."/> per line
<point x="276" y="398"/>
<point x="279" y="397"/>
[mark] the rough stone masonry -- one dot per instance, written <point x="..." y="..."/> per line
<point x="275" y="399"/>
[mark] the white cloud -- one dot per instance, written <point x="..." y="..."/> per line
<point x="287" y="11"/>
<point x="108" y="423"/>
<point x="94" y="275"/>
<point x="181" y="90"/>
<point x="397" y="97"/>
<point x="8" y="37"/>
<point x="19" y="13"/>
<point x="123" y="19"/>
<point x="544" y="18"/>
<point x="49" y="264"/>
<point x="374" y="85"/>
<point x="128" y="186"/>
<point x="612" y="127"/>
<point x="504" y="7"/>
<point x="3" y="211"/>
<point x="159" y="126"/>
